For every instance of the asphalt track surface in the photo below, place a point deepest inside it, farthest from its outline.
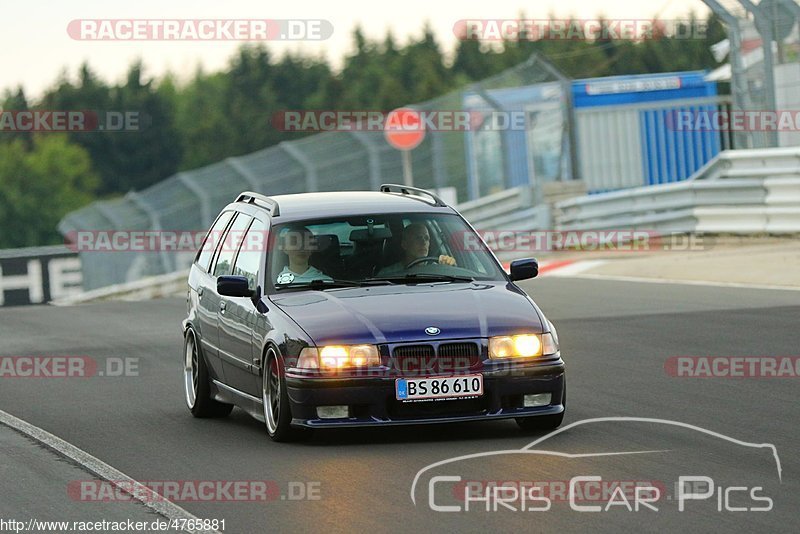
(615, 338)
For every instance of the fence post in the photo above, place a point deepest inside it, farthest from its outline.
(245, 173)
(302, 159)
(155, 223)
(437, 155)
(374, 159)
(108, 214)
(739, 88)
(200, 193)
(764, 26)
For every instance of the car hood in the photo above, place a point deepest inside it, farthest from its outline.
(401, 313)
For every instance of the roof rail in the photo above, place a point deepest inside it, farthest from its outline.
(262, 200)
(412, 191)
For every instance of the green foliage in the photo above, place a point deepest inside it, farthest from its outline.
(15, 101)
(222, 114)
(124, 160)
(38, 186)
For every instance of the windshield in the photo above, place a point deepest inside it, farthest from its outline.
(384, 248)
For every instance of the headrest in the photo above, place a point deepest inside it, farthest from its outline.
(328, 244)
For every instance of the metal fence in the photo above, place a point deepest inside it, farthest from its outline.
(609, 148)
(633, 145)
(758, 33)
(339, 161)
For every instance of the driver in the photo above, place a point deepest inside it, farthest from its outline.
(415, 244)
(299, 243)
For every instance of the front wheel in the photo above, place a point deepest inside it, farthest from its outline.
(277, 413)
(195, 382)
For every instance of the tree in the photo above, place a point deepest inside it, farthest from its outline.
(251, 99)
(39, 186)
(228, 113)
(207, 133)
(153, 149)
(14, 102)
(472, 61)
(123, 159)
(88, 94)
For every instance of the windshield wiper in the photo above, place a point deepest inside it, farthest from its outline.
(324, 283)
(421, 278)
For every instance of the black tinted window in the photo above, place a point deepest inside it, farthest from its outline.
(212, 238)
(248, 262)
(230, 244)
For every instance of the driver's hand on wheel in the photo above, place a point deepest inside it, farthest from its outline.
(447, 260)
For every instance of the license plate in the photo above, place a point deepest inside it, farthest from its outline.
(450, 387)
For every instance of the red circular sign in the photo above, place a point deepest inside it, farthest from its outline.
(404, 129)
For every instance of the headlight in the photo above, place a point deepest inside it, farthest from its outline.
(334, 357)
(522, 346)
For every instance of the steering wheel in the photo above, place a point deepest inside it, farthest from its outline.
(426, 259)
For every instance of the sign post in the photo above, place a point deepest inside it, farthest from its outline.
(404, 130)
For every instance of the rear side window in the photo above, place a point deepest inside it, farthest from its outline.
(230, 244)
(248, 262)
(212, 238)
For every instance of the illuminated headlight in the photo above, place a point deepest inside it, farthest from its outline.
(522, 346)
(334, 357)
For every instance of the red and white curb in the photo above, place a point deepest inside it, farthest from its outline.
(563, 267)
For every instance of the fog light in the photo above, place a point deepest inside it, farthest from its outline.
(332, 412)
(540, 399)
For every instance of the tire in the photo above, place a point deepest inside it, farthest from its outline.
(544, 422)
(275, 398)
(196, 383)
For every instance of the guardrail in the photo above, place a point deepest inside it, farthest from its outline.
(743, 192)
(517, 210)
(740, 191)
(165, 285)
(512, 206)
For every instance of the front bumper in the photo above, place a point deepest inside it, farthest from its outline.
(371, 400)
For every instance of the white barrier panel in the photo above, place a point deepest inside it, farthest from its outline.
(742, 191)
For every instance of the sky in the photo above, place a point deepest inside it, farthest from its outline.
(37, 47)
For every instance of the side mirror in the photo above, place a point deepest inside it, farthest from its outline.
(233, 286)
(257, 302)
(524, 269)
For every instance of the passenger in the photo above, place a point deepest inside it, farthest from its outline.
(415, 244)
(299, 244)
